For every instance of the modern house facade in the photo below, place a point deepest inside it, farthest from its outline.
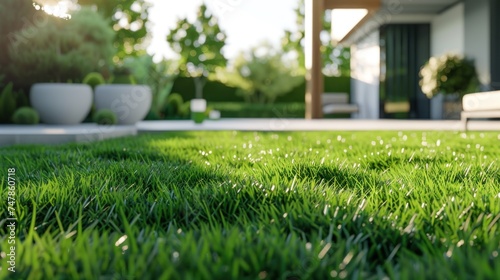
(396, 37)
(389, 48)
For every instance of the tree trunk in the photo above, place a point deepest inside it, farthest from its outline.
(199, 84)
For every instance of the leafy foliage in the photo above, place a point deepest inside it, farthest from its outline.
(159, 76)
(199, 45)
(175, 107)
(262, 75)
(62, 50)
(174, 103)
(335, 57)
(448, 74)
(7, 104)
(16, 15)
(129, 18)
(25, 115)
(122, 75)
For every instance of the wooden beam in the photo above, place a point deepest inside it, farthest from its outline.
(352, 4)
(314, 11)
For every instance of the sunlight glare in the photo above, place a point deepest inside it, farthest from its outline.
(344, 20)
(57, 8)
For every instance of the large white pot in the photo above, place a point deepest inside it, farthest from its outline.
(61, 103)
(130, 103)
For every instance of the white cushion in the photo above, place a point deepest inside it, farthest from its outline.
(482, 101)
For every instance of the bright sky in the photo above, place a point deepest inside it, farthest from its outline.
(246, 22)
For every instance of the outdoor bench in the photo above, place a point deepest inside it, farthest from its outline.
(338, 103)
(480, 105)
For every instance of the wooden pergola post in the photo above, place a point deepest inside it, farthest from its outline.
(314, 11)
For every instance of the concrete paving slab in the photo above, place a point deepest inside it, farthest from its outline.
(59, 134)
(314, 125)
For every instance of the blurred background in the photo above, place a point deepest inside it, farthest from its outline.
(246, 58)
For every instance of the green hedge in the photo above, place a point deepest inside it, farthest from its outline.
(277, 110)
(245, 110)
(331, 84)
(213, 91)
(218, 92)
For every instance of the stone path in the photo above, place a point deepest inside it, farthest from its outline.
(315, 125)
(58, 134)
(55, 134)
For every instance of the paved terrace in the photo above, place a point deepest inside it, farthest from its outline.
(315, 125)
(59, 134)
(55, 134)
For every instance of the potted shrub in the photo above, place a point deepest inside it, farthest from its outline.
(130, 102)
(59, 53)
(446, 79)
(93, 79)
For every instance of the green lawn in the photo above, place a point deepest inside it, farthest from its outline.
(233, 205)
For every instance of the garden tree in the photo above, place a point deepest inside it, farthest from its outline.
(129, 18)
(199, 45)
(335, 58)
(61, 50)
(262, 75)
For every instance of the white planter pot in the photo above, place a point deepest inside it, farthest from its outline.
(214, 115)
(198, 109)
(198, 105)
(61, 103)
(130, 103)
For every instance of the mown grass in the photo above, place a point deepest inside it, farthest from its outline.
(234, 205)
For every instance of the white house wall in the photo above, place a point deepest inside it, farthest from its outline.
(465, 29)
(447, 31)
(365, 76)
(477, 37)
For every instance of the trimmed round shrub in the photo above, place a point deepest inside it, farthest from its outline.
(25, 115)
(173, 106)
(105, 117)
(94, 79)
(176, 99)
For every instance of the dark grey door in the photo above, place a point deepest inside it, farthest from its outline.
(404, 49)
